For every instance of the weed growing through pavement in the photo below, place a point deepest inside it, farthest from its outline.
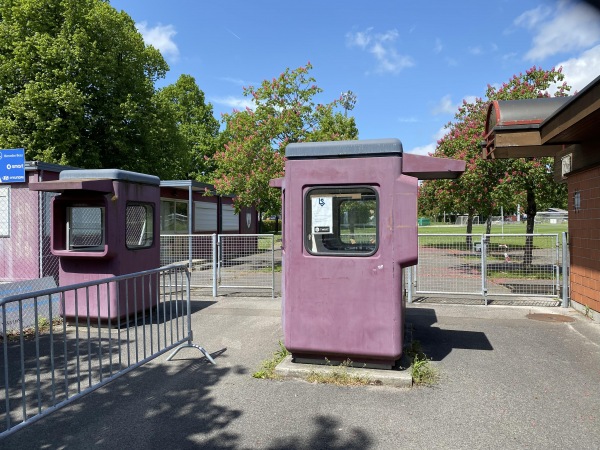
(339, 375)
(423, 373)
(267, 369)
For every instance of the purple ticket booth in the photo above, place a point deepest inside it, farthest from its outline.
(349, 228)
(105, 224)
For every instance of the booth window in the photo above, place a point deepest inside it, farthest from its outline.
(85, 228)
(341, 221)
(139, 227)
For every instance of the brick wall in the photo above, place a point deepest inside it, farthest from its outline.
(584, 237)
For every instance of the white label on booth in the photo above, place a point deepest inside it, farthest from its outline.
(322, 215)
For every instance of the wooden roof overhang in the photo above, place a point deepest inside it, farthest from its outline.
(542, 126)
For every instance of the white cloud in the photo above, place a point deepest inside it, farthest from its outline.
(580, 71)
(451, 62)
(429, 148)
(239, 103)
(571, 26)
(160, 37)
(476, 50)
(531, 18)
(424, 150)
(381, 46)
(438, 47)
(445, 106)
(440, 134)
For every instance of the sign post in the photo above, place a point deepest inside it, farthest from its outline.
(12, 165)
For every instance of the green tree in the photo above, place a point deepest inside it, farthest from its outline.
(196, 125)
(487, 185)
(78, 86)
(255, 139)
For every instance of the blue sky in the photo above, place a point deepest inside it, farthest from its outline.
(410, 63)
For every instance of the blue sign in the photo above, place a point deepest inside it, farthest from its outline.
(12, 165)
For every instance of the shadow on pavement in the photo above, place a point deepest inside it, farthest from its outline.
(437, 343)
(326, 436)
(151, 407)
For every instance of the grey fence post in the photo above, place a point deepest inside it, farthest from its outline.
(484, 239)
(409, 281)
(273, 266)
(565, 270)
(215, 250)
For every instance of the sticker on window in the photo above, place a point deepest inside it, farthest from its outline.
(322, 215)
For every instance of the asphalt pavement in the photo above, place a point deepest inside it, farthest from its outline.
(512, 377)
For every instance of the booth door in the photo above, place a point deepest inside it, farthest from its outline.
(341, 298)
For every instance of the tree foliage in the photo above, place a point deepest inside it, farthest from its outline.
(197, 128)
(77, 87)
(255, 139)
(487, 185)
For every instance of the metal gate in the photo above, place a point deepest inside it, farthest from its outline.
(488, 264)
(231, 262)
(246, 261)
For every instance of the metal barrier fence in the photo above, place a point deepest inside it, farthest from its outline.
(499, 265)
(55, 361)
(232, 262)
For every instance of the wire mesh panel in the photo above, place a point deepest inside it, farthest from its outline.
(26, 261)
(449, 263)
(246, 261)
(522, 264)
(196, 250)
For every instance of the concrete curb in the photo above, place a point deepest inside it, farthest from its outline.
(287, 370)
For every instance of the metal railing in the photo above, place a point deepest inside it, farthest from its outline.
(517, 265)
(119, 324)
(232, 262)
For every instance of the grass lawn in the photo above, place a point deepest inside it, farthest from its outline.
(510, 228)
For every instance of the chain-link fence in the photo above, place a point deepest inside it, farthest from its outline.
(517, 265)
(26, 262)
(522, 264)
(246, 261)
(226, 263)
(25, 235)
(449, 263)
(196, 250)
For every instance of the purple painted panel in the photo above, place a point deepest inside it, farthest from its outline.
(348, 306)
(338, 303)
(114, 258)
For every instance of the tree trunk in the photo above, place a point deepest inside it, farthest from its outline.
(531, 212)
(488, 225)
(470, 231)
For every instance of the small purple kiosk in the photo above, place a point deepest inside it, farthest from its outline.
(104, 224)
(349, 228)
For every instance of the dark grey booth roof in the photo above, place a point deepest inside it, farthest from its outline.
(109, 174)
(344, 149)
